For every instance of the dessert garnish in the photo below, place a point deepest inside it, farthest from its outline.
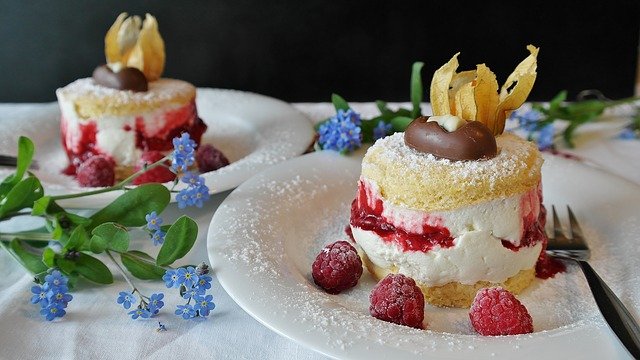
(473, 96)
(398, 299)
(128, 78)
(472, 140)
(496, 311)
(131, 43)
(337, 267)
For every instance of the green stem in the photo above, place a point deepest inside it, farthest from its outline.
(119, 186)
(122, 272)
(33, 236)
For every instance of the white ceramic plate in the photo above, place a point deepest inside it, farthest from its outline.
(264, 237)
(253, 131)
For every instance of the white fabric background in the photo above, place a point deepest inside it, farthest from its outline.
(96, 327)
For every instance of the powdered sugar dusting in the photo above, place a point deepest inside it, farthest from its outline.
(159, 91)
(270, 230)
(512, 153)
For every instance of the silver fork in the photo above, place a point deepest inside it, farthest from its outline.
(613, 310)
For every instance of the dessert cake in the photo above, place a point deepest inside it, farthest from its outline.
(453, 202)
(126, 109)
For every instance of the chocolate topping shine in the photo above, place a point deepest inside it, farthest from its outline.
(471, 141)
(128, 78)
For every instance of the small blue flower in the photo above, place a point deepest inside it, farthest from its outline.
(55, 279)
(204, 305)
(193, 293)
(341, 133)
(545, 137)
(204, 282)
(628, 134)
(59, 296)
(126, 299)
(527, 119)
(39, 295)
(187, 276)
(186, 311)
(183, 153)
(192, 179)
(158, 237)
(143, 313)
(184, 198)
(153, 221)
(170, 278)
(52, 311)
(199, 195)
(381, 130)
(156, 303)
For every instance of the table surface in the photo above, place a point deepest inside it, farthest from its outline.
(96, 327)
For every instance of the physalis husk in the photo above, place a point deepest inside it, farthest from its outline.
(132, 42)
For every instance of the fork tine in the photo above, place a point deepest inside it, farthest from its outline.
(576, 231)
(557, 227)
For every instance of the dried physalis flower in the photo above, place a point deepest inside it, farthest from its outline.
(131, 42)
(473, 94)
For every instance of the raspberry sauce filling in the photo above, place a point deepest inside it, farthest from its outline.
(82, 145)
(367, 214)
(370, 218)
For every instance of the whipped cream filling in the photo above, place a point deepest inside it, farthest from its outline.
(477, 254)
(503, 218)
(115, 135)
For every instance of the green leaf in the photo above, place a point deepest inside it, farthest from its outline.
(25, 156)
(366, 128)
(416, 88)
(382, 107)
(49, 257)
(178, 241)
(29, 260)
(109, 236)
(557, 100)
(130, 208)
(77, 238)
(339, 103)
(21, 196)
(93, 269)
(141, 265)
(400, 123)
(67, 266)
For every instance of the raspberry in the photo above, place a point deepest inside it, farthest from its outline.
(338, 267)
(158, 174)
(209, 158)
(96, 171)
(495, 311)
(398, 299)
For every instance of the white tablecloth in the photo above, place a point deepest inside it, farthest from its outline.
(95, 327)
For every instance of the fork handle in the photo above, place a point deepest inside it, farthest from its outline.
(615, 313)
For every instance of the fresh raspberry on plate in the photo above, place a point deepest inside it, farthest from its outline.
(158, 174)
(338, 267)
(96, 171)
(495, 311)
(209, 158)
(398, 299)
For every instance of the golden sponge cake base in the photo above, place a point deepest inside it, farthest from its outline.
(92, 101)
(455, 294)
(420, 181)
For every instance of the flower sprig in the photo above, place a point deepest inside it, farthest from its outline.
(538, 122)
(70, 246)
(347, 131)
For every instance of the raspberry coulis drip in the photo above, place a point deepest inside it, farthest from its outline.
(85, 146)
(370, 218)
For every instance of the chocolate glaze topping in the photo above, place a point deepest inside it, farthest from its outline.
(471, 141)
(128, 78)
